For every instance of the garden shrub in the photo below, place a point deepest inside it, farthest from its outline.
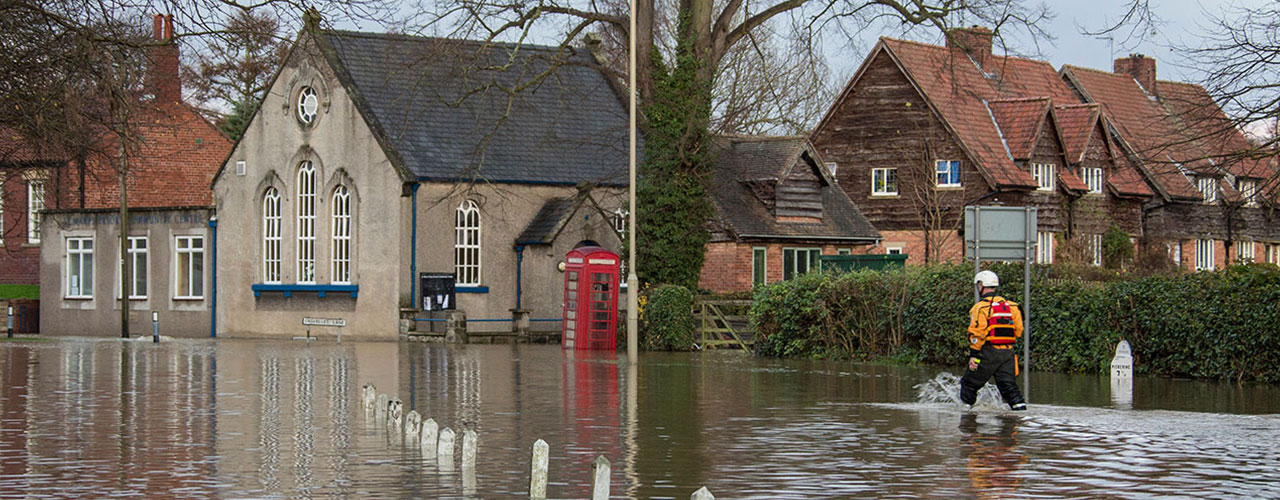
(667, 323)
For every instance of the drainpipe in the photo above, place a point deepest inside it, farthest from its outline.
(413, 252)
(519, 261)
(213, 307)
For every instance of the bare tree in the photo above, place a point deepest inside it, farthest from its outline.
(232, 72)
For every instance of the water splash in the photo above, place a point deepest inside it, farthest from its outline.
(945, 388)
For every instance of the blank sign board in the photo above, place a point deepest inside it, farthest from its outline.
(999, 233)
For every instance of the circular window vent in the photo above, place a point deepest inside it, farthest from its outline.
(308, 103)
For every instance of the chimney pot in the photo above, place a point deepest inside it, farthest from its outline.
(157, 26)
(975, 40)
(1141, 68)
(168, 26)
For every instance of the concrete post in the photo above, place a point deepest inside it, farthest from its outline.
(444, 450)
(412, 428)
(702, 494)
(538, 474)
(430, 435)
(600, 479)
(469, 444)
(520, 324)
(10, 308)
(455, 327)
(370, 397)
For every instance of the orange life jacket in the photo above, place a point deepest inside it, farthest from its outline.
(1000, 329)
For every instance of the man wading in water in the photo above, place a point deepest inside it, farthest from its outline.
(994, 325)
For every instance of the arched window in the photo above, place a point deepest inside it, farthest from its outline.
(271, 236)
(341, 241)
(466, 244)
(306, 223)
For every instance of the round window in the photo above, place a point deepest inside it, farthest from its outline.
(308, 102)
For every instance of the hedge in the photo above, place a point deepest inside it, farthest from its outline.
(1223, 324)
(666, 320)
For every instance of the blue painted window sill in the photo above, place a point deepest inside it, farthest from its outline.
(471, 289)
(320, 290)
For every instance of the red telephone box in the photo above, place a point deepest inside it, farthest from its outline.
(590, 299)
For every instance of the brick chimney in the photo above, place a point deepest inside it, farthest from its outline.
(1141, 68)
(162, 63)
(974, 40)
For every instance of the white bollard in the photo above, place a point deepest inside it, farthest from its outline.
(1122, 377)
(702, 494)
(469, 439)
(538, 476)
(600, 479)
(412, 428)
(395, 414)
(444, 450)
(430, 433)
(370, 397)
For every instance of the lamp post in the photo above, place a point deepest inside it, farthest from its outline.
(633, 285)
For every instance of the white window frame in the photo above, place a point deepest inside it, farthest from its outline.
(1095, 249)
(831, 167)
(306, 224)
(1045, 175)
(1273, 253)
(1245, 251)
(763, 270)
(79, 253)
(1092, 178)
(1044, 247)
(271, 236)
(937, 173)
(844, 251)
(136, 253)
(812, 259)
(1249, 190)
(893, 251)
(35, 205)
(1208, 187)
(1204, 255)
(1175, 252)
(880, 181)
(185, 251)
(308, 105)
(466, 244)
(340, 245)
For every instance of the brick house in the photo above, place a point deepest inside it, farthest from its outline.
(921, 131)
(778, 209)
(78, 231)
(1209, 208)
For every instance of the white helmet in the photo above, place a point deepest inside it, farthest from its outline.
(987, 279)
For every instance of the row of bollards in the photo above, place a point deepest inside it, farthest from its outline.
(439, 444)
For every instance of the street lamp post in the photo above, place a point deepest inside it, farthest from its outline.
(633, 285)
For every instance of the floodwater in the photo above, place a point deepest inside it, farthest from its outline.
(253, 419)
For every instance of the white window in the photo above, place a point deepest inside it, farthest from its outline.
(466, 244)
(35, 205)
(1273, 254)
(798, 261)
(79, 268)
(189, 263)
(1044, 247)
(884, 181)
(306, 223)
(1044, 173)
(138, 261)
(1095, 249)
(759, 263)
(308, 103)
(1244, 251)
(1175, 252)
(1208, 188)
(1204, 255)
(893, 251)
(341, 244)
(948, 173)
(1093, 178)
(1249, 190)
(271, 236)
(844, 251)
(831, 167)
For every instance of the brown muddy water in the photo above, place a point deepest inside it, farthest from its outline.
(256, 419)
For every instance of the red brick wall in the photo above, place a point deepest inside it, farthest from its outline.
(947, 244)
(728, 264)
(19, 260)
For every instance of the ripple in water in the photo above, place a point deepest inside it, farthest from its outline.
(945, 388)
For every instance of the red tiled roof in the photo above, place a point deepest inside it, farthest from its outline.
(1076, 122)
(959, 91)
(1125, 179)
(1217, 136)
(1071, 181)
(1020, 121)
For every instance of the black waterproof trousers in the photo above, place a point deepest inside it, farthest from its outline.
(999, 363)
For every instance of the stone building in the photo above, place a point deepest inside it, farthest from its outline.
(376, 157)
(778, 209)
(78, 228)
(922, 131)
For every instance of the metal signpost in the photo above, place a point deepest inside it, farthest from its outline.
(1005, 234)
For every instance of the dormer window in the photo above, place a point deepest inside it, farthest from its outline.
(1249, 190)
(308, 104)
(1045, 175)
(1092, 178)
(1208, 188)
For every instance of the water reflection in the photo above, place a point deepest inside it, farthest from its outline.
(236, 419)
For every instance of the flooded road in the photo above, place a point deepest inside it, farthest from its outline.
(254, 419)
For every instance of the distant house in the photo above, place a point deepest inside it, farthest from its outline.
(778, 209)
(922, 131)
(376, 157)
(72, 228)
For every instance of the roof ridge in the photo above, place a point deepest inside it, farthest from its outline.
(759, 137)
(1022, 99)
(1078, 105)
(466, 41)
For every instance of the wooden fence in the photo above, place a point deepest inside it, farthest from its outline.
(723, 323)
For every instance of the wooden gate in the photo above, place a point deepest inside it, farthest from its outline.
(723, 323)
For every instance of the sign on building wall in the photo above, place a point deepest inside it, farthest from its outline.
(437, 291)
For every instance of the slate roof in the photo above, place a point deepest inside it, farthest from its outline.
(542, 229)
(460, 110)
(743, 161)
